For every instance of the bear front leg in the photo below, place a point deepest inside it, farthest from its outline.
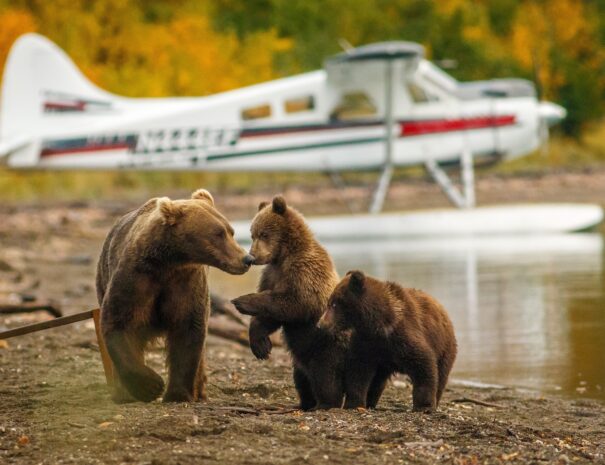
(377, 387)
(305, 392)
(258, 333)
(252, 304)
(327, 385)
(127, 354)
(358, 378)
(185, 345)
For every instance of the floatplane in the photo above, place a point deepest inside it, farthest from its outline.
(374, 107)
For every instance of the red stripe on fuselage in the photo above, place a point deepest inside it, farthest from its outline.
(419, 128)
(408, 128)
(76, 106)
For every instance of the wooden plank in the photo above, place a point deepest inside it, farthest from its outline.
(65, 320)
(107, 363)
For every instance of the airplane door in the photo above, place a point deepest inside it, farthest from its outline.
(493, 107)
(439, 124)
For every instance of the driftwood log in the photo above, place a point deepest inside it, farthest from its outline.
(50, 307)
(227, 323)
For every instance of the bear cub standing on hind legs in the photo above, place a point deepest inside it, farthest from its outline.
(152, 281)
(293, 291)
(395, 329)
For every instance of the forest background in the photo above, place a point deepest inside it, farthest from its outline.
(159, 48)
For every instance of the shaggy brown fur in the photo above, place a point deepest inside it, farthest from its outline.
(293, 292)
(152, 281)
(395, 330)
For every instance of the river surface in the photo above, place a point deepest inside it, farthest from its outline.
(528, 311)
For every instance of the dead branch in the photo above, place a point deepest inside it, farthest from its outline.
(437, 443)
(52, 308)
(250, 411)
(468, 400)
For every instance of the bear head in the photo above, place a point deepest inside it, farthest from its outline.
(194, 231)
(358, 301)
(270, 230)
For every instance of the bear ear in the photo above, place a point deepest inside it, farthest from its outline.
(357, 281)
(171, 213)
(262, 205)
(279, 205)
(203, 194)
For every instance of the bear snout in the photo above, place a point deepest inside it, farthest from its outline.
(327, 319)
(249, 260)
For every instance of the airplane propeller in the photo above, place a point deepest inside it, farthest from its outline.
(549, 114)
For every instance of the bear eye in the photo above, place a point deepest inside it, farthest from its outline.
(263, 235)
(333, 305)
(220, 233)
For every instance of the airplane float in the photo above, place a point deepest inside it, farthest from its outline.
(374, 107)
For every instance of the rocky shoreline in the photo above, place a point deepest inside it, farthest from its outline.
(55, 408)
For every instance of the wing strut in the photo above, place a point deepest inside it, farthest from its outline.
(387, 171)
(464, 199)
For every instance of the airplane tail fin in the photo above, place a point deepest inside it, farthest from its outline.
(39, 79)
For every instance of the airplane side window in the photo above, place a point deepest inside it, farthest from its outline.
(417, 93)
(256, 112)
(296, 105)
(354, 105)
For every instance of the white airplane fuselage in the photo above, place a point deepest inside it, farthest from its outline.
(332, 119)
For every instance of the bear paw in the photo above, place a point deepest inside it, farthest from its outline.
(145, 386)
(261, 347)
(243, 304)
(423, 409)
(177, 395)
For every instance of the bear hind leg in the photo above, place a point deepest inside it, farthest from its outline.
(424, 387)
(445, 366)
(126, 350)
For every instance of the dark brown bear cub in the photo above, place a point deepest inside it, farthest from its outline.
(293, 292)
(152, 281)
(396, 329)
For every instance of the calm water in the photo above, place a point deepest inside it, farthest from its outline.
(528, 312)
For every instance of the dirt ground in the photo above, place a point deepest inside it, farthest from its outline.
(55, 407)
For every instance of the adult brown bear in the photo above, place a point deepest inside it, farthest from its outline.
(293, 292)
(152, 281)
(395, 329)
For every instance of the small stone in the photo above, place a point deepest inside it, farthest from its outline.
(3, 344)
(23, 441)
(105, 424)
